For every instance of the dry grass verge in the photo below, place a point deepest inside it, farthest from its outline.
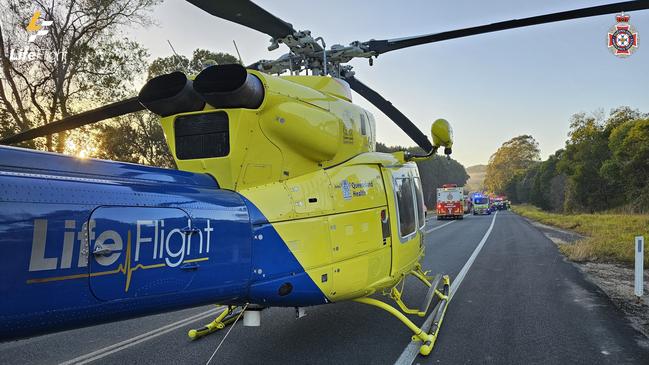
(609, 237)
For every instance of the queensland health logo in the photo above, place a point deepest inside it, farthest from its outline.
(36, 28)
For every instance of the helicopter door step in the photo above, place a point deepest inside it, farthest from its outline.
(431, 294)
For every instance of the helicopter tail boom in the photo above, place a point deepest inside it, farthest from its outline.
(88, 241)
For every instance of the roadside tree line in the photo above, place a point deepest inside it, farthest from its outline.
(603, 166)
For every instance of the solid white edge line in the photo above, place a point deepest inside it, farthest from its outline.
(438, 227)
(103, 352)
(411, 351)
(442, 226)
(460, 276)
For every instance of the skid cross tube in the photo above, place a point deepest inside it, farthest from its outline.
(427, 337)
(419, 333)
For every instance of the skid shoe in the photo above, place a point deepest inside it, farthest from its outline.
(439, 287)
(225, 318)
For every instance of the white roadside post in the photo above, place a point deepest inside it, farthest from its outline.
(639, 266)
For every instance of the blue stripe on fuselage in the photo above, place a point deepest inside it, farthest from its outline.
(274, 266)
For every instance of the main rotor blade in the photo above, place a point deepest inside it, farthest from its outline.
(387, 45)
(88, 117)
(248, 14)
(393, 113)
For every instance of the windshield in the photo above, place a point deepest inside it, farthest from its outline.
(480, 200)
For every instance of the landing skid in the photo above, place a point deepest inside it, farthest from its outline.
(438, 288)
(226, 317)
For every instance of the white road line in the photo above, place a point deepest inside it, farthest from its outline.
(460, 276)
(442, 226)
(438, 227)
(103, 352)
(411, 351)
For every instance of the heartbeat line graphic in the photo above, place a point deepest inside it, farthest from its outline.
(125, 269)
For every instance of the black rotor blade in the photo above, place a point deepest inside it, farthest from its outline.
(393, 113)
(387, 45)
(248, 14)
(88, 117)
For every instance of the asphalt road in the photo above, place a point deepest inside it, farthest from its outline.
(519, 302)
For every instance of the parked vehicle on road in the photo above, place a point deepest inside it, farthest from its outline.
(481, 205)
(450, 200)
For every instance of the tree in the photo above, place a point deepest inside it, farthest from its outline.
(546, 193)
(621, 115)
(138, 138)
(594, 182)
(509, 164)
(83, 61)
(629, 163)
(525, 185)
(604, 165)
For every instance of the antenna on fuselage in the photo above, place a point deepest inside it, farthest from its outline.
(237, 49)
(180, 64)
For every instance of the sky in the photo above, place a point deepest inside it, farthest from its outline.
(490, 87)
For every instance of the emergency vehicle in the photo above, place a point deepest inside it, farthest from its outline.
(481, 204)
(450, 202)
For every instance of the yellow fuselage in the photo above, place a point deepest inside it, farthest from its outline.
(306, 159)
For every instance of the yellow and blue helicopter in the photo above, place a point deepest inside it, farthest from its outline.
(280, 198)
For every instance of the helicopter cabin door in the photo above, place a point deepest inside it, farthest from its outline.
(139, 251)
(407, 215)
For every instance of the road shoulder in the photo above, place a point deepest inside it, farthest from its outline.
(614, 279)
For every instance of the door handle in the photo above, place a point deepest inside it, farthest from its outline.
(189, 266)
(100, 250)
(189, 230)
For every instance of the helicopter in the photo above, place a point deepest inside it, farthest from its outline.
(280, 198)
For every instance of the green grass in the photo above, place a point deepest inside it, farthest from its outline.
(609, 237)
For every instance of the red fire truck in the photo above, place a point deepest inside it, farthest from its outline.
(449, 202)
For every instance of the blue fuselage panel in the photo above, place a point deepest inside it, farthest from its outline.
(88, 241)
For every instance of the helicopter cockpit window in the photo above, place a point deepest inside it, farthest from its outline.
(363, 125)
(405, 206)
(421, 210)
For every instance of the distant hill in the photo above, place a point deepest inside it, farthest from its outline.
(476, 177)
